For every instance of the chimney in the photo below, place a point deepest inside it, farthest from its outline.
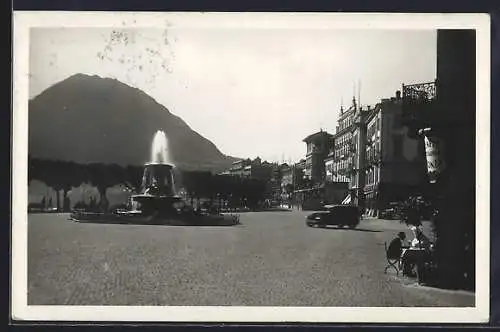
(398, 95)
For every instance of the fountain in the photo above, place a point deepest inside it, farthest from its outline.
(157, 201)
(157, 196)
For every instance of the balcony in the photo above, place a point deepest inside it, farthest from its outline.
(419, 105)
(420, 93)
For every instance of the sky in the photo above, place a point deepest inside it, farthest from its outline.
(252, 92)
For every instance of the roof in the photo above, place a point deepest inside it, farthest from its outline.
(351, 206)
(348, 112)
(239, 161)
(317, 135)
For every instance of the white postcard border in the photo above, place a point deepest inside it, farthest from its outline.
(23, 21)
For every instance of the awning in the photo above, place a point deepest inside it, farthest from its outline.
(308, 189)
(347, 200)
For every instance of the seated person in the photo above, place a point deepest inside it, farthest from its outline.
(396, 246)
(414, 256)
(420, 241)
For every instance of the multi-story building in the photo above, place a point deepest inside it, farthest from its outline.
(317, 151)
(320, 185)
(330, 161)
(358, 156)
(298, 174)
(342, 155)
(291, 178)
(255, 169)
(240, 168)
(287, 177)
(310, 193)
(394, 165)
(261, 170)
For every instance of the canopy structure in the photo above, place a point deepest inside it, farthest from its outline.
(347, 200)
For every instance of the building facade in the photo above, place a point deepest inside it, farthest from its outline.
(358, 157)
(330, 161)
(317, 151)
(343, 154)
(309, 195)
(394, 164)
(240, 168)
(255, 169)
(443, 114)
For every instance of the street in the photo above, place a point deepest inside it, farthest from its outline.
(271, 259)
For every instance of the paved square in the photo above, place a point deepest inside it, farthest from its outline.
(271, 259)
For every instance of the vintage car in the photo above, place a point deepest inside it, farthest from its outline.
(338, 215)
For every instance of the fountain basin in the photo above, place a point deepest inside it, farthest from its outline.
(139, 218)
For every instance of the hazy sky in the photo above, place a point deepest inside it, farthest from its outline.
(252, 92)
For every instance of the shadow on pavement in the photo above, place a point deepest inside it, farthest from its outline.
(199, 221)
(152, 223)
(353, 229)
(260, 210)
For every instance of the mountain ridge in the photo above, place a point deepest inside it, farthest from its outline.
(87, 119)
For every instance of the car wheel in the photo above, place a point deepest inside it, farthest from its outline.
(352, 226)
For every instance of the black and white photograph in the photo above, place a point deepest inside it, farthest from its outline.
(251, 167)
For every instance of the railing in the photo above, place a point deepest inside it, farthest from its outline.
(419, 93)
(419, 103)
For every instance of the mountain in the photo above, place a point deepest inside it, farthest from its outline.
(89, 119)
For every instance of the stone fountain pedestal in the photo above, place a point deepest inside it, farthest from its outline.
(158, 197)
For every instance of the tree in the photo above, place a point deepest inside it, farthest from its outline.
(188, 182)
(50, 172)
(100, 176)
(132, 176)
(68, 178)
